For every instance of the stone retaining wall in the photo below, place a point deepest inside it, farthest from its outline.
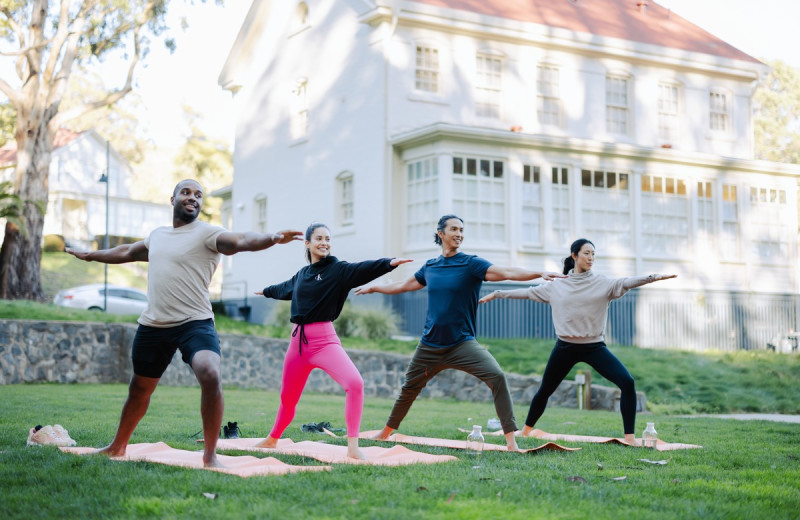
(80, 352)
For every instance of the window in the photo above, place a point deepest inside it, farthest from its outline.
(617, 104)
(562, 225)
(665, 215)
(488, 85)
(426, 72)
(730, 223)
(344, 199)
(479, 197)
(299, 107)
(769, 220)
(422, 183)
(260, 213)
(668, 113)
(532, 222)
(719, 111)
(705, 211)
(549, 95)
(606, 203)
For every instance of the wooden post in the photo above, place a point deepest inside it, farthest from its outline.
(587, 389)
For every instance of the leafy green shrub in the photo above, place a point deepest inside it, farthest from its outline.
(281, 313)
(376, 323)
(347, 322)
(53, 244)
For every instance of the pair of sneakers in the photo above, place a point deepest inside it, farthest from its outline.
(49, 435)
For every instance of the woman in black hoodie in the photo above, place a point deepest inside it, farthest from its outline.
(318, 292)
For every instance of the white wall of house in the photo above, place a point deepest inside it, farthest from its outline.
(699, 207)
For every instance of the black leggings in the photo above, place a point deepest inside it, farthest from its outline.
(567, 355)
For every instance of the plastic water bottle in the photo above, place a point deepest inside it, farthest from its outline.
(650, 436)
(475, 441)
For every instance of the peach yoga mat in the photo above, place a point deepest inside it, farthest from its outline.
(459, 445)
(332, 454)
(540, 434)
(244, 466)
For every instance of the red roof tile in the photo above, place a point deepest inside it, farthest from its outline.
(633, 20)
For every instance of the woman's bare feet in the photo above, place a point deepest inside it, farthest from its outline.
(630, 438)
(530, 431)
(269, 442)
(352, 449)
(511, 442)
(213, 462)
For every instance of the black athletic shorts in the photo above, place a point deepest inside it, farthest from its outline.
(153, 347)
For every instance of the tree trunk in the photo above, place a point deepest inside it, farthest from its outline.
(21, 254)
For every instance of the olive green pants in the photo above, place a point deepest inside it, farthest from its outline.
(469, 357)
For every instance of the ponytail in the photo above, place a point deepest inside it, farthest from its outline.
(574, 249)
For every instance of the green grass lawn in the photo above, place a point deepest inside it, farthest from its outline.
(746, 470)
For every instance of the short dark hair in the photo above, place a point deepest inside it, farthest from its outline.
(440, 227)
(574, 249)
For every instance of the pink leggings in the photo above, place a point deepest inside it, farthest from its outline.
(323, 351)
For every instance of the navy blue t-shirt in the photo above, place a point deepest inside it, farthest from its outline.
(453, 285)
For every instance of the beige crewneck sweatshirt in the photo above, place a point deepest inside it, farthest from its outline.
(579, 302)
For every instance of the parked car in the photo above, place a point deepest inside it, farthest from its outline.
(121, 300)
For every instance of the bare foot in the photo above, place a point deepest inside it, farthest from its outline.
(269, 442)
(352, 449)
(213, 462)
(630, 438)
(511, 442)
(110, 451)
(529, 431)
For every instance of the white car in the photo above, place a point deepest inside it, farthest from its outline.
(121, 300)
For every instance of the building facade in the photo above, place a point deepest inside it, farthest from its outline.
(537, 123)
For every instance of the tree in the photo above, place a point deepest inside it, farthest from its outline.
(777, 114)
(51, 39)
(8, 120)
(205, 159)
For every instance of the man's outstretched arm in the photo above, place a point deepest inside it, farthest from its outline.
(136, 252)
(230, 243)
(391, 288)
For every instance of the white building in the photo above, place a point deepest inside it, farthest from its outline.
(76, 206)
(536, 122)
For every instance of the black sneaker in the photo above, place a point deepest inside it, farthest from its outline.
(230, 431)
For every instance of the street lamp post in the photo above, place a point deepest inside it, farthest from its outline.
(104, 178)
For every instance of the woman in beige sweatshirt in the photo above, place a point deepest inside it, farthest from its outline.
(580, 309)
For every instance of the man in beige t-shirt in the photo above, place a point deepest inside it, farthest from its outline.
(182, 259)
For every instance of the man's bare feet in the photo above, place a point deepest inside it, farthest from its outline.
(383, 434)
(110, 451)
(352, 449)
(269, 442)
(213, 462)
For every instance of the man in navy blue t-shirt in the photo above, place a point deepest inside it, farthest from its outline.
(454, 280)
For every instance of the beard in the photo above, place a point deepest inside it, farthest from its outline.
(181, 214)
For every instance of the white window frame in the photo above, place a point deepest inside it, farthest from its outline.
(479, 195)
(771, 238)
(489, 67)
(730, 237)
(607, 206)
(561, 228)
(619, 103)
(665, 234)
(427, 69)
(299, 107)
(532, 211)
(422, 200)
(260, 212)
(345, 199)
(720, 112)
(549, 107)
(669, 112)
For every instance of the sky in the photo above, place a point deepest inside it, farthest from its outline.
(765, 29)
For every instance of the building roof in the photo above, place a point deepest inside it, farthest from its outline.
(634, 20)
(64, 136)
